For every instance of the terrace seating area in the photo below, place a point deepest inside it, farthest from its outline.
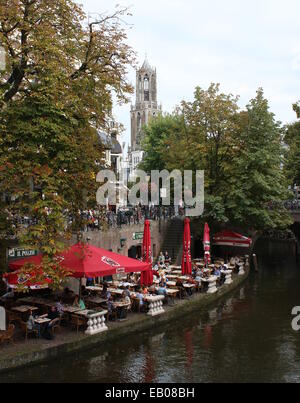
(46, 315)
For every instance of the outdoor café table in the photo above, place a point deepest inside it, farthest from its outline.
(190, 286)
(171, 283)
(95, 301)
(94, 288)
(42, 321)
(115, 291)
(122, 308)
(171, 276)
(84, 312)
(24, 308)
(179, 272)
(184, 278)
(172, 293)
(70, 309)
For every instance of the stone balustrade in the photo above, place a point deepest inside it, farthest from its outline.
(228, 277)
(155, 305)
(212, 285)
(2, 319)
(241, 270)
(96, 323)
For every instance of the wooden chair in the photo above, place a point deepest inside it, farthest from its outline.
(12, 317)
(8, 335)
(112, 315)
(77, 322)
(56, 325)
(28, 332)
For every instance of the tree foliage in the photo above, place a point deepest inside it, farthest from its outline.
(240, 152)
(56, 92)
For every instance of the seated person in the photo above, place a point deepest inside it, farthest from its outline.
(9, 294)
(90, 282)
(59, 307)
(167, 258)
(67, 296)
(162, 282)
(78, 302)
(162, 290)
(122, 312)
(182, 291)
(127, 292)
(140, 297)
(31, 325)
(110, 305)
(105, 294)
(152, 289)
(217, 272)
(54, 318)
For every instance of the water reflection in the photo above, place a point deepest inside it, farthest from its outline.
(246, 337)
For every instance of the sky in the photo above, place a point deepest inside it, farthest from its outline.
(243, 45)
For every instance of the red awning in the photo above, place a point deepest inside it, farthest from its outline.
(230, 238)
(88, 261)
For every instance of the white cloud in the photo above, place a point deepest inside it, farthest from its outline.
(241, 44)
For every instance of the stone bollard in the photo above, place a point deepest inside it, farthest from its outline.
(2, 319)
(96, 323)
(228, 277)
(212, 285)
(155, 305)
(241, 270)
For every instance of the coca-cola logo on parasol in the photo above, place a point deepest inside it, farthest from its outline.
(110, 261)
(23, 278)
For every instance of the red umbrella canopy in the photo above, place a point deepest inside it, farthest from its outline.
(26, 280)
(88, 261)
(206, 244)
(186, 263)
(230, 238)
(147, 276)
(18, 264)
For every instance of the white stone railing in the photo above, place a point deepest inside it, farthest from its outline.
(241, 270)
(96, 323)
(2, 319)
(228, 276)
(155, 305)
(212, 284)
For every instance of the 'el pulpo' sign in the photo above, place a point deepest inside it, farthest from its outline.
(19, 253)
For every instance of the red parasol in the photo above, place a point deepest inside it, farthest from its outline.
(147, 276)
(84, 261)
(206, 244)
(186, 264)
(230, 238)
(26, 280)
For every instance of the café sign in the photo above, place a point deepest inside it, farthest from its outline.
(19, 253)
(137, 236)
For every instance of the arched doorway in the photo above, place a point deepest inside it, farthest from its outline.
(135, 252)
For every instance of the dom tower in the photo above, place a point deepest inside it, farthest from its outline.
(145, 108)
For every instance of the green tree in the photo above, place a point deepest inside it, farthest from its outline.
(258, 186)
(292, 154)
(55, 93)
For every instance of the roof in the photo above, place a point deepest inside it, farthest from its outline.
(146, 66)
(109, 143)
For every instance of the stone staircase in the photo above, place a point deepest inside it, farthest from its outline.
(173, 239)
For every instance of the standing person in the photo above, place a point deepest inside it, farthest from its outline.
(161, 259)
(167, 258)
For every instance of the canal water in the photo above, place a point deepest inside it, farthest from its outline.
(246, 337)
